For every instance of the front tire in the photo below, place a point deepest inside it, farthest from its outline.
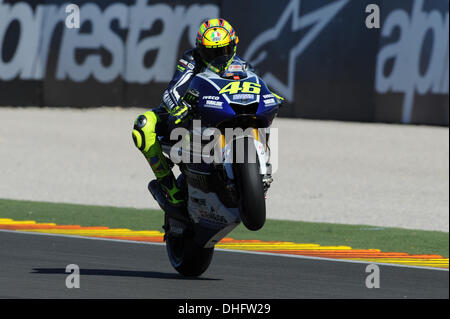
(251, 189)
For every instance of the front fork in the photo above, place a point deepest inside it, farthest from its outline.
(261, 142)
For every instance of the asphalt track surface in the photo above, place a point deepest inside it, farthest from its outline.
(33, 266)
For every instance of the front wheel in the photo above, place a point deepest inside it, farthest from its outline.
(251, 189)
(186, 256)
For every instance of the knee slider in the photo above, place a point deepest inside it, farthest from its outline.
(144, 130)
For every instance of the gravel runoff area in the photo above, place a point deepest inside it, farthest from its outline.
(337, 172)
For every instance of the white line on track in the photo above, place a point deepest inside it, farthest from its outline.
(226, 250)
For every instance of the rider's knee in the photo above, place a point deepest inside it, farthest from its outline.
(144, 135)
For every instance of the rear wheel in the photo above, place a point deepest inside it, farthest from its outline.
(186, 256)
(250, 187)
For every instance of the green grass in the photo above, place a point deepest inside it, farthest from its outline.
(356, 236)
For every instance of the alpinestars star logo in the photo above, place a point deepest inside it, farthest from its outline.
(314, 21)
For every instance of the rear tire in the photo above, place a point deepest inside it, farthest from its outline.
(251, 189)
(186, 256)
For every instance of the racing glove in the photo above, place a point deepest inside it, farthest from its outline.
(180, 112)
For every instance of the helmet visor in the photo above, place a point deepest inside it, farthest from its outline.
(209, 54)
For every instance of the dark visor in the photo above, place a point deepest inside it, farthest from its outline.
(210, 54)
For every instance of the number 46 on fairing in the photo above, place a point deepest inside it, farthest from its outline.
(236, 87)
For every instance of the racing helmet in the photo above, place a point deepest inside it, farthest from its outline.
(216, 38)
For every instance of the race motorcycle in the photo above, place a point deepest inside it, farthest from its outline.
(232, 188)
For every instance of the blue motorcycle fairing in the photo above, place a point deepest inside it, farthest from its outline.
(214, 108)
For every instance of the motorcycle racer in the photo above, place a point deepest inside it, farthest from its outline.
(215, 38)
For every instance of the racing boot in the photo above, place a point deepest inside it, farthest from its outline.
(174, 195)
(164, 175)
